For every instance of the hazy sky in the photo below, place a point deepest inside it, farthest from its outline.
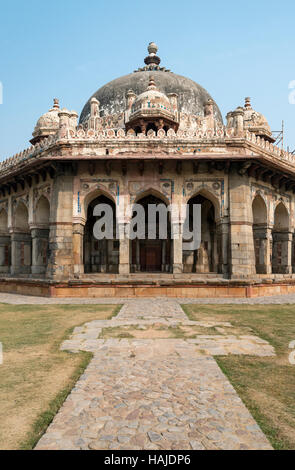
(68, 49)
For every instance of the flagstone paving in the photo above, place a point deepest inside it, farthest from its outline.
(155, 393)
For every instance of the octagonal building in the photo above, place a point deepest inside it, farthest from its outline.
(151, 137)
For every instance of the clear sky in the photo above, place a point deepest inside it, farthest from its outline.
(68, 49)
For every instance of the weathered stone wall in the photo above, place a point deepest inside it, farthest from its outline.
(242, 260)
(38, 241)
(61, 260)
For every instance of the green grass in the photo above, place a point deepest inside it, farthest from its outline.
(36, 377)
(266, 385)
(46, 417)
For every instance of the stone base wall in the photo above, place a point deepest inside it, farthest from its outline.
(140, 290)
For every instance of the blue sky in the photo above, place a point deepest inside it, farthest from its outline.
(68, 49)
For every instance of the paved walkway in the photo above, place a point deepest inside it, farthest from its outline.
(155, 393)
(27, 299)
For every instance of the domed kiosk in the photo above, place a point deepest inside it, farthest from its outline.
(47, 124)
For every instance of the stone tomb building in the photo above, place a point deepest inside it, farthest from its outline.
(153, 137)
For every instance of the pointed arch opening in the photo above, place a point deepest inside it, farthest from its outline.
(40, 237)
(43, 212)
(5, 246)
(260, 240)
(151, 249)
(205, 259)
(281, 218)
(3, 222)
(281, 252)
(100, 256)
(21, 241)
(21, 218)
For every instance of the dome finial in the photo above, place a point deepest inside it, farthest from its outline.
(248, 103)
(55, 103)
(152, 48)
(152, 58)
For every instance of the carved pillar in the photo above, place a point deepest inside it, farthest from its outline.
(137, 255)
(39, 250)
(223, 245)
(268, 249)
(143, 126)
(164, 244)
(262, 245)
(177, 248)
(287, 252)
(104, 256)
(78, 243)
(124, 252)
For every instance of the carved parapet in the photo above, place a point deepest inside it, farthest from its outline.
(110, 136)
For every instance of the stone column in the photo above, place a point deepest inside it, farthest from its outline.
(222, 245)
(262, 236)
(104, 256)
(242, 256)
(78, 240)
(287, 252)
(39, 250)
(4, 254)
(177, 248)
(124, 251)
(282, 252)
(164, 243)
(60, 264)
(268, 249)
(21, 253)
(137, 255)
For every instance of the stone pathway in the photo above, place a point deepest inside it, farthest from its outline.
(155, 393)
(151, 309)
(168, 313)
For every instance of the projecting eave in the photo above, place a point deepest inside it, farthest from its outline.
(258, 158)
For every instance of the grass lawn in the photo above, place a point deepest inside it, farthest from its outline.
(266, 385)
(36, 377)
(155, 331)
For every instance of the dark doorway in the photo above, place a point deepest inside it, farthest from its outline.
(152, 255)
(100, 256)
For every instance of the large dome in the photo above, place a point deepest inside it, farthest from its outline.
(112, 96)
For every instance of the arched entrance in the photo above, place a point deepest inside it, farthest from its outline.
(260, 235)
(40, 236)
(21, 241)
(281, 249)
(100, 256)
(152, 255)
(4, 243)
(206, 258)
